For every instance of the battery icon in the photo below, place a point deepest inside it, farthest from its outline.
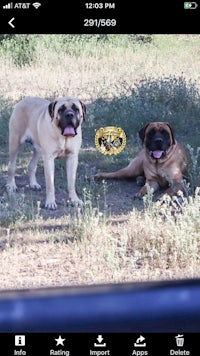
(190, 5)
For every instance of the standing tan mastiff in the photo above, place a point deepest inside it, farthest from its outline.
(162, 161)
(54, 130)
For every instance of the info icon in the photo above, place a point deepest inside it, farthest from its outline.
(19, 340)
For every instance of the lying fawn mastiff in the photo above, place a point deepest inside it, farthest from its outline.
(162, 162)
(54, 130)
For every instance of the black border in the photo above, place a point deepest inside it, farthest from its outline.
(140, 17)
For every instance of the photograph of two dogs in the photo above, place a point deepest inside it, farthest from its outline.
(54, 128)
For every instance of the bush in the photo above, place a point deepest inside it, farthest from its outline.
(21, 48)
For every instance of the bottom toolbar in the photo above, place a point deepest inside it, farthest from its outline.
(89, 344)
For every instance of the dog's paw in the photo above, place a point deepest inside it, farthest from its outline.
(93, 177)
(51, 205)
(138, 196)
(11, 188)
(76, 202)
(100, 175)
(35, 186)
(142, 192)
(140, 181)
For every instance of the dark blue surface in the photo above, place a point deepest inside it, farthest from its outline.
(169, 306)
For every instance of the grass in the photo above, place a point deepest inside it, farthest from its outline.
(125, 81)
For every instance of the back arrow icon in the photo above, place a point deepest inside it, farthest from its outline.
(10, 22)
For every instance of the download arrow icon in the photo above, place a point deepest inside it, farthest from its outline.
(100, 344)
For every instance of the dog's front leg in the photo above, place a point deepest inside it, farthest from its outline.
(49, 180)
(71, 169)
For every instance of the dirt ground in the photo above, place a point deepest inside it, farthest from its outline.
(118, 199)
(113, 197)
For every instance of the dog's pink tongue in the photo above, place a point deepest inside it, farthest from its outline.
(157, 154)
(69, 131)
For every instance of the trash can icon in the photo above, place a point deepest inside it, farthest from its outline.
(179, 340)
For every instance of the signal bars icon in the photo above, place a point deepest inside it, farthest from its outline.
(8, 6)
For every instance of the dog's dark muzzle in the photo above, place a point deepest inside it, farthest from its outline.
(69, 123)
(158, 148)
(158, 142)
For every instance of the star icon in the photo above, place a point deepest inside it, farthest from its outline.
(60, 341)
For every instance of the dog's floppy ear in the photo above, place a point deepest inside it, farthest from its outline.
(51, 108)
(142, 132)
(172, 133)
(83, 109)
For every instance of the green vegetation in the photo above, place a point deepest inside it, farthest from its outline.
(125, 81)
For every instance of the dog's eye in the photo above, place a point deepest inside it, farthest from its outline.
(62, 109)
(164, 133)
(151, 133)
(75, 108)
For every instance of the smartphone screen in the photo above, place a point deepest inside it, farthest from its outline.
(99, 178)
